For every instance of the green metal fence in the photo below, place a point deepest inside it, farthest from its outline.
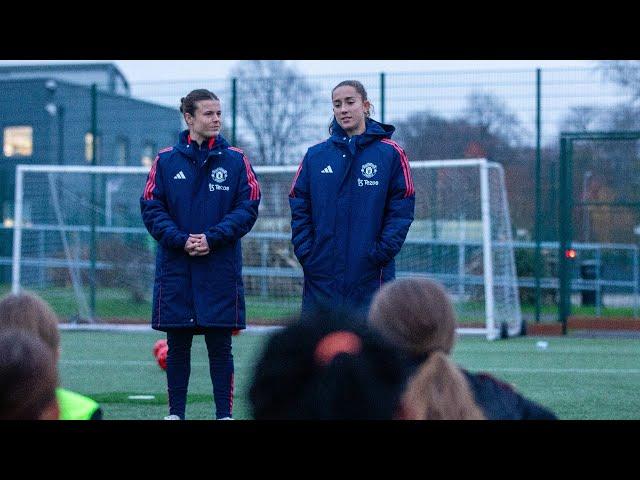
(511, 117)
(615, 199)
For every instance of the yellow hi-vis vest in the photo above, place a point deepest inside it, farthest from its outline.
(74, 406)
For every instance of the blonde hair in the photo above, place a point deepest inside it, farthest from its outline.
(28, 312)
(416, 316)
(439, 391)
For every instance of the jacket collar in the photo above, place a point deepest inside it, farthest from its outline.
(190, 147)
(374, 131)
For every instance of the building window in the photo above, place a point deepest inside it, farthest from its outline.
(148, 150)
(122, 151)
(88, 146)
(8, 214)
(18, 141)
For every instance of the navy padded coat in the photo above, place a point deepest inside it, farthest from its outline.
(352, 203)
(212, 190)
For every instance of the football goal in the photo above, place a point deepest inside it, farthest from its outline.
(79, 237)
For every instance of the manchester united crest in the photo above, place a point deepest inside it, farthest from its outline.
(369, 170)
(219, 175)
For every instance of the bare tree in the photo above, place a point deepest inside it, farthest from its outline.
(585, 118)
(625, 73)
(275, 103)
(492, 114)
(427, 136)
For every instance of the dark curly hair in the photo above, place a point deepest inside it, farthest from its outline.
(327, 366)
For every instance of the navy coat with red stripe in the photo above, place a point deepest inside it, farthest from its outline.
(352, 203)
(214, 191)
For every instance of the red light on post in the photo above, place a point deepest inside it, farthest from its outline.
(570, 253)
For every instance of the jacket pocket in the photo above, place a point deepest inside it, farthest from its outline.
(320, 263)
(305, 253)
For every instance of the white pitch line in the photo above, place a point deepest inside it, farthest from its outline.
(561, 370)
(604, 371)
(110, 362)
(94, 327)
(132, 363)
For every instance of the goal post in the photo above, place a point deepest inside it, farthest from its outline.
(53, 228)
(461, 237)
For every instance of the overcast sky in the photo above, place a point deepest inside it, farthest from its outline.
(153, 80)
(163, 70)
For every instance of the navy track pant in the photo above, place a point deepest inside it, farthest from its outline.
(218, 342)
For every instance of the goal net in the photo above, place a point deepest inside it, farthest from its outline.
(80, 242)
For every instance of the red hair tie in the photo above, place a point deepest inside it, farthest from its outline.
(334, 343)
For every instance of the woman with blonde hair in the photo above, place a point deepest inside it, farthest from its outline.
(416, 316)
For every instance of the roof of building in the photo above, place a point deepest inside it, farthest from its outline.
(18, 71)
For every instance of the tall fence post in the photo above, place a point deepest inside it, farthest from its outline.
(538, 221)
(598, 285)
(382, 96)
(234, 109)
(564, 220)
(636, 294)
(264, 253)
(93, 202)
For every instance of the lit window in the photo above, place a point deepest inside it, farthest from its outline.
(18, 141)
(88, 146)
(147, 154)
(8, 217)
(7, 214)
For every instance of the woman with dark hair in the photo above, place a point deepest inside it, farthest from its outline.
(416, 316)
(200, 199)
(31, 314)
(28, 377)
(352, 202)
(326, 368)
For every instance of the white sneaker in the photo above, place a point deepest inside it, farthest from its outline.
(172, 417)
(225, 418)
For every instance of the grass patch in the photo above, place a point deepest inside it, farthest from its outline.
(580, 310)
(577, 378)
(116, 303)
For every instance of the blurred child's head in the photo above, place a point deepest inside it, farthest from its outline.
(28, 377)
(327, 367)
(28, 312)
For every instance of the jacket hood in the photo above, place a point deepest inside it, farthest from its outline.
(374, 131)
